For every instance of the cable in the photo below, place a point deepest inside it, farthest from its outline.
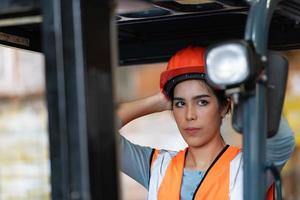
(277, 179)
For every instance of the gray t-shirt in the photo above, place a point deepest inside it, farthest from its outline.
(135, 160)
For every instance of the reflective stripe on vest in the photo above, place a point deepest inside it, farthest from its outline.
(223, 180)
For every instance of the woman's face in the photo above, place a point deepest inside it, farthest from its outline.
(197, 112)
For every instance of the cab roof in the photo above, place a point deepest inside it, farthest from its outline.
(150, 31)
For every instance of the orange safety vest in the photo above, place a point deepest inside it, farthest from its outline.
(223, 180)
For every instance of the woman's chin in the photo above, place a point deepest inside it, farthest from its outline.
(194, 142)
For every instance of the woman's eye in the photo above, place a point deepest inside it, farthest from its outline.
(179, 104)
(202, 102)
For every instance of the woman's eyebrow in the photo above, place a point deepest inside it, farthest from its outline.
(195, 97)
(201, 96)
(178, 98)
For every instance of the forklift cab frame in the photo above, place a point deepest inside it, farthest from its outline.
(84, 40)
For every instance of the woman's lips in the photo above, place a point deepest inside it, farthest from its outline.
(191, 130)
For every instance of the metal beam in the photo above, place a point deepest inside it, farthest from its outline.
(20, 21)
(100, 41)
(65, 87)
(21, 38)
(80, 48)
(18, 6)
(255, 109)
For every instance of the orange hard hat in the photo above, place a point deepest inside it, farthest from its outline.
(187, 63)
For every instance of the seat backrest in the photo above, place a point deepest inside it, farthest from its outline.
(277, 72)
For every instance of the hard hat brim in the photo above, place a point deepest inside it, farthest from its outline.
(169, 79)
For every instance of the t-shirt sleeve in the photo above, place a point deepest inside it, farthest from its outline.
(281, 146)
(135, 160)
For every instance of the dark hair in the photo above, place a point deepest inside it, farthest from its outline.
(223, 100)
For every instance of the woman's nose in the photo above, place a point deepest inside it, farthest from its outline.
(191, 113)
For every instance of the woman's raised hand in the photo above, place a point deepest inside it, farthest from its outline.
(164, 102)
(138, 108)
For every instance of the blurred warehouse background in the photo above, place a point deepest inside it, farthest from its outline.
(24, 155)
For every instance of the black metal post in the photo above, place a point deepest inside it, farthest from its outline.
(255, 109)
(80, 46)
(254, 144)
(65, 84)
(101, 57)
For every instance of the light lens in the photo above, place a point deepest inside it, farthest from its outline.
(227, 64)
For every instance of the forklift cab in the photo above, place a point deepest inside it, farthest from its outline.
(84, 40)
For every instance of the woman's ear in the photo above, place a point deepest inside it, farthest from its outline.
(223, 113)
(226, 108)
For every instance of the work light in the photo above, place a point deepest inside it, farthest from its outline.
(229, 64)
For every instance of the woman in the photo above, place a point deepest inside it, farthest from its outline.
(207, 168)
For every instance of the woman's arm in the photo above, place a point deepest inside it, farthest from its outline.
(135, 159)
(281, 146)
(135, 109)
